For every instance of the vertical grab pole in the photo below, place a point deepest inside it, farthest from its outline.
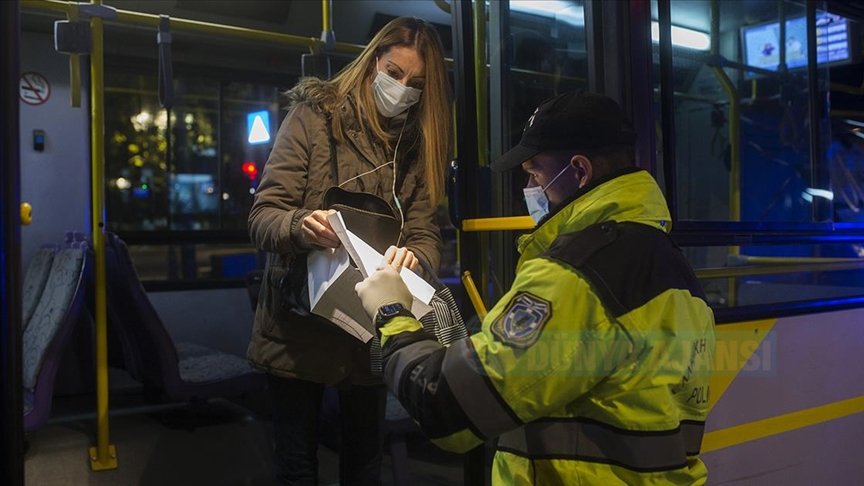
(328, 36)
(104, 455)
(667, 104)
(326, 16)
(734, 139)
(74, 69)
(735, 164)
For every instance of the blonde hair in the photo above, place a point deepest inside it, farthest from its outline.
(432, 113)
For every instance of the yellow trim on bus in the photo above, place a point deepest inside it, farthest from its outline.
(759, 429)
(735, 346)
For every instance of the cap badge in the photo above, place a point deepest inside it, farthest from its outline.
(531, 120)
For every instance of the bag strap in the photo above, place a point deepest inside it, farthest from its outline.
(334, 161)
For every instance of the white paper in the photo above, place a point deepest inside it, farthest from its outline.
(331, 279)
(368, 259)
(324, 266)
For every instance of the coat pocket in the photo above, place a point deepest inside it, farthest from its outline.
(286, 297)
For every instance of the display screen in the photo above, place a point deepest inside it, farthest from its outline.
(762, 42)
(193, 194)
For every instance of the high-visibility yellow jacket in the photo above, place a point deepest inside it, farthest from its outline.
(592, 369)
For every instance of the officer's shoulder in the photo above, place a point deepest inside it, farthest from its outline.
(622, 241)
(627, 264)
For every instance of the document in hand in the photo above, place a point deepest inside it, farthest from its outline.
(332, 278)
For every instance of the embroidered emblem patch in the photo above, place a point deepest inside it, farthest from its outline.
(520, 325)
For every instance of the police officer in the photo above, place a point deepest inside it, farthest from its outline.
(593, 368)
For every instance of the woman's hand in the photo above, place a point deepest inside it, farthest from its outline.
(401, 257)
(317, 230)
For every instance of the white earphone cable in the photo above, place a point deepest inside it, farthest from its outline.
(385, 164)
(393, 187)
(395, 197)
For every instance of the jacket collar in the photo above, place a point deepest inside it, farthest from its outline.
(322, 96)
(629, 195)
(361, 140)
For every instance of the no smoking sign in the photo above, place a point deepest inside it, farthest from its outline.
(34, 89)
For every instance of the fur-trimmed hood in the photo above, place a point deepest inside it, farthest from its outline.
(321, 96)
(318, 93)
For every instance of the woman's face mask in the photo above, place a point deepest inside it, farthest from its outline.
(536, 200)
(391, 96)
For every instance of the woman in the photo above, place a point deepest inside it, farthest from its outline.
(381, 126)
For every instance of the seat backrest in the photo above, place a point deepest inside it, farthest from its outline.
(151, 355)
(52, 312)
(38, 269)
(48, 333)
(148, 350)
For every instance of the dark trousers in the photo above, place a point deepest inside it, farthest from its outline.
(296, 408)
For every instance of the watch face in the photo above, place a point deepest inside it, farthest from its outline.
(390, 310)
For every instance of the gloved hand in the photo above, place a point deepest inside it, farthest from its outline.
(381, 288)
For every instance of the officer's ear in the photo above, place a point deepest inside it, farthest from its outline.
(583, 169)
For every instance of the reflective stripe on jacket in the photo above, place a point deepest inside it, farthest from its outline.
(592, 369)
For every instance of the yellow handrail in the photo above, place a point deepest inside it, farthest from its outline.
(766, 260)
(474, 295)
(104, 455)
(480, 74)
(853, 90)
(778, 268)
(74, 70)
(326, 18)
(734, 144)
(499, 224)
(734, 138)
(152, 20)
(69, 8)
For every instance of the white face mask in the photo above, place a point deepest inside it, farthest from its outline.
(391, 96)
(536, 200)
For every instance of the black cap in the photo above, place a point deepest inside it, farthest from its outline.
(572, 120)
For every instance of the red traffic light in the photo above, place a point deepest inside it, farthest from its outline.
(250, 169)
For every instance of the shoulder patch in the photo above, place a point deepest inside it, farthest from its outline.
(519, 326)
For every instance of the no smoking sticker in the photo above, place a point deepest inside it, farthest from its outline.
(34, 89)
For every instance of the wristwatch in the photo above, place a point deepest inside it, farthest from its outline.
(389, 311)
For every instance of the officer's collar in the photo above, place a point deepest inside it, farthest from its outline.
(585, 190)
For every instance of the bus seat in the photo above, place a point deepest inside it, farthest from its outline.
(35, 278)
(46, 334)
(181, 371)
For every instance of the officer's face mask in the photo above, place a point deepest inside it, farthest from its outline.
(391, 96)
(536, 200)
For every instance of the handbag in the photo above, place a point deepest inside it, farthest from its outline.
(366, 215)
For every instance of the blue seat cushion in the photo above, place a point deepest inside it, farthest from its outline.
(200, 364)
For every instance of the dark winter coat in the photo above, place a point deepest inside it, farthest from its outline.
(286, 340)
